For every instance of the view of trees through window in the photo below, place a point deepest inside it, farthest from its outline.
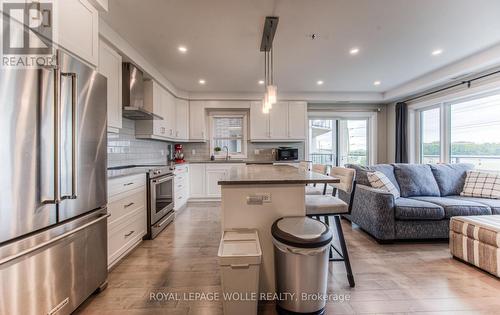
(474, 133)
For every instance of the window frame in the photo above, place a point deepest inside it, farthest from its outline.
(244, 140)
(445, 104)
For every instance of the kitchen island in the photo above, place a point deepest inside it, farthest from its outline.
(254, 196)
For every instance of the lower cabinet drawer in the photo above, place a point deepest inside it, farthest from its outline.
(126, 205)
(125, 183)
(125, 233)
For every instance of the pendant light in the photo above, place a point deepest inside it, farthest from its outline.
(270, 89)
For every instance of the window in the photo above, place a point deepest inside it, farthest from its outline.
(229, 131)
(338, 141)
(430, 149)
(475, 132)
(469, 132)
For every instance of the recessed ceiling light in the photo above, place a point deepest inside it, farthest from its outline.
(354, 51)
(202, 81)
(261, 82)
(377, 83)
(182, 49)
(319, 82)
(437, 52)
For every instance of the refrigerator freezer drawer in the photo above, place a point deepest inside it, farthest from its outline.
(58, 277)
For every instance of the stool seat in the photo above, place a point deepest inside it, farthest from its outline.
(325, 204)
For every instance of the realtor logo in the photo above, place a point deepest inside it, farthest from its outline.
(27, 34)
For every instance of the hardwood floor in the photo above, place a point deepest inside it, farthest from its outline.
(401, 278)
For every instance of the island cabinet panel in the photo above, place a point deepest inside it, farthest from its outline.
(78, 29)
(110, 65)
(286, 121)
(197, 121)
(197, 180)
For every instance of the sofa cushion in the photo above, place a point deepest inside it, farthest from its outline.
(494, 204)
(450, 177)
(457, 207)
(379, 180)
(415, 180)
(362, 178)
(411, 209)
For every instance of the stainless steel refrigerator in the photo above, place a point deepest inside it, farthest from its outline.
(53, 218)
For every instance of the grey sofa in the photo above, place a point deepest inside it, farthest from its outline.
(430, 196)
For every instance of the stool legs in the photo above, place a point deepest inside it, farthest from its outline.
(345, 254)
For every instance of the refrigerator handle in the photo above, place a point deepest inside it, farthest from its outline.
(57, 138)
(74, 134)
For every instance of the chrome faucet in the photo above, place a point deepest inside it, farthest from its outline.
(227, 152)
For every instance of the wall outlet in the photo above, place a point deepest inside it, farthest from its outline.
(256, 151)
(162, 152)
(266, 197)
(193, 152)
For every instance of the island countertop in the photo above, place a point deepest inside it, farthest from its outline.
(272, 175)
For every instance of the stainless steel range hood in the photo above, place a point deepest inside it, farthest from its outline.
(133, 94)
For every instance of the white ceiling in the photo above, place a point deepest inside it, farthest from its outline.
(395, 38)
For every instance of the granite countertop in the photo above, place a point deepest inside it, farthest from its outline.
(273, 174)
(114, 173)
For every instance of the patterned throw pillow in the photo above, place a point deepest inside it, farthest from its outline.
(482, 185)
(380, 181)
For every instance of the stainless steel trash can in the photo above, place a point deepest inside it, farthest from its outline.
(301, 248)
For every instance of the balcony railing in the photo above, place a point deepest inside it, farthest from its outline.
(325, 124)
(330, 159)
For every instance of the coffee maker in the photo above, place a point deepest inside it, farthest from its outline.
(179, 154)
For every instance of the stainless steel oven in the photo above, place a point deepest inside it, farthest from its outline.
(160, 200)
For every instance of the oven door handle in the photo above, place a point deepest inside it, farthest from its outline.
(162, 180)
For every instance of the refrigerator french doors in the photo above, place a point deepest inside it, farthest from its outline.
(53, 146)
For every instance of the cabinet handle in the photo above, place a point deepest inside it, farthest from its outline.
(129, 233)
(130, 204)
(180, 197)
(177, 134)
(171, 131)
(128, 184)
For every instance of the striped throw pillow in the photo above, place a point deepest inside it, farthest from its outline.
(482, 185)
(380, 181)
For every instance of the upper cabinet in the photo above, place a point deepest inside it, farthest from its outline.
(286, 121)
(297, 120)
(182, 120)
(197, 121)
(110, 65)
(78, 29)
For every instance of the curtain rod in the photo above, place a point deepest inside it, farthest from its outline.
(468, 82)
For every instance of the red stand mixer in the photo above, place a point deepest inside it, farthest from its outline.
(179, 154)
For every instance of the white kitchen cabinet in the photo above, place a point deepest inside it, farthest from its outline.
(259, 122)
(212, 177)
(127, 223)
(153, 102)
(286, 121)
(110, 65)
(78, 29)
(278, 121)
(297, 120)
(197, 121)
(182, 120)
(168, 110)
(181, 186)
(197, 180)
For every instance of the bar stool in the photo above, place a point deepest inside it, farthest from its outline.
(315, 190)
(323, 206)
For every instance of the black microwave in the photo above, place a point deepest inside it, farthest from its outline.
(287, 154)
